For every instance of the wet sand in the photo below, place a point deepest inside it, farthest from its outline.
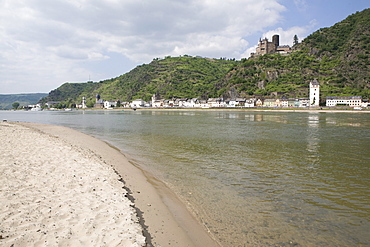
(62, 187)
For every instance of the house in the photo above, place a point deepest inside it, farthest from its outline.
(50, 104)
(109, 104)
(278, 103)
(202, 104)
(36, 107)
(303, 102)
(284, 102)
(157, 103)
(216, 102)
(191, 102)
(351, 101)
(365, 103)
(259, 102)
(249, 103)
(137, 103)
(293, 102)
(230, 102)
(168, 103)
(181, 102)
(240, 101)
(99, 104)
(269, 103)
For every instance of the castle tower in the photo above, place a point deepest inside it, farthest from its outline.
(97, 98)
(275, 40)
(314, 93)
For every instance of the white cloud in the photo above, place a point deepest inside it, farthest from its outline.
(248, 52)
(286, 36)
(45, 43)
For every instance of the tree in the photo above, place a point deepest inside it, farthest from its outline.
(90, 104)
(15, 105)
(295, 40)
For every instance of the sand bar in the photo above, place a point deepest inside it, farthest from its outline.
(60, 187)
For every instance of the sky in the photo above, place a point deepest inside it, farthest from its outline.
(44, 43)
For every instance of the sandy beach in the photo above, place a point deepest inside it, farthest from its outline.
(60, 187)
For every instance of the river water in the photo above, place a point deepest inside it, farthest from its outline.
(253, 178)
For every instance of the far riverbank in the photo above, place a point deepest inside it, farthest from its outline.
(311, 110)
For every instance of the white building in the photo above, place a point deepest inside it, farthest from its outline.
(284, 103)
(83, 103)
(137, 103)
(314, 93)
(231, 103)
(216, 102)
(249, 103)
(191, 102)
(181, 102)
(303, 102)
(202, 104)
(109, 104)
(351, 101)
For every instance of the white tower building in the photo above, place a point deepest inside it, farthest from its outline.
(83, 103)
(314, 93)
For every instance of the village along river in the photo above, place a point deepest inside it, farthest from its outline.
(253, 178)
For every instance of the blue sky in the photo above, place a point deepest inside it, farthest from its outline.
(47, 43)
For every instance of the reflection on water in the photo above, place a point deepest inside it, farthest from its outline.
(253, 178)
(313, 140)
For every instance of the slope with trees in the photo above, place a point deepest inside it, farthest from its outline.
(7, 100)
(337, 56)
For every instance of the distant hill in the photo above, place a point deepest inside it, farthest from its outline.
(6, 100)
(181, 77)
(337, 56)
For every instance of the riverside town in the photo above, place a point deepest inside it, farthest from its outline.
(355, 102)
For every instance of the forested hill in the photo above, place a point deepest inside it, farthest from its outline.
(180, 77)
(337, 56)
(6, 100)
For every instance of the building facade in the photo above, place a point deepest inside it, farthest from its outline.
(351, 101)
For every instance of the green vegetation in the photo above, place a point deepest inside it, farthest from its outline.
(6, 100)
(181, 77)
(347, 44)
(15, 105)
(337, 56)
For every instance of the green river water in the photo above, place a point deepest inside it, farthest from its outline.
(253, 178)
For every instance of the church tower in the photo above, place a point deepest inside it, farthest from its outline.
(314, 93)
(83, 103)
(154, 98)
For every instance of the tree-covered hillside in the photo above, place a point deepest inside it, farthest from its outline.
(6, 100)
(337, 56)
(181, 77)
(347, 46)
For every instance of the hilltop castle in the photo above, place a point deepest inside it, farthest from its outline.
(266, 47)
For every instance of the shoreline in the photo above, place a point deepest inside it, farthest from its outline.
(244, 109)
(164, 217)
(233, 110)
